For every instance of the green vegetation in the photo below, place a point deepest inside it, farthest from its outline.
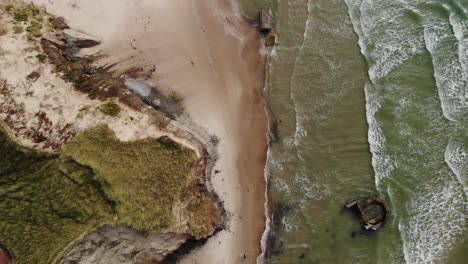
(34, 29)
(18, 29)
(23, 13)
(20, 15)
(46, 203)
(144, 178)
(41, 57)
(48, 200)
(110, 108)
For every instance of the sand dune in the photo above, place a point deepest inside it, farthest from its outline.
(209, 56)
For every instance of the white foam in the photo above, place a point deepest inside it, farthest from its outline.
(383, 164)
(299, 131)
(450, 65)
(288, 223)
(456, 156)
(392, 42)
(263, 242)
(437, 212)
(308, 189)
(437, 218)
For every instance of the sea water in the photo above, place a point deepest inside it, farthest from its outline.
(370, 97)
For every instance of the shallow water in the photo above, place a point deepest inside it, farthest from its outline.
(371, 97)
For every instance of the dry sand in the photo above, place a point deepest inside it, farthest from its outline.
(69, 112)
(209, 56)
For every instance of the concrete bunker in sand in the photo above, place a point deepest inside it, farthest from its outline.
(265, 18)
(266, 21)
(373, 212)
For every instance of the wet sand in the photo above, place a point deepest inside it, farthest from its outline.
(210, 57)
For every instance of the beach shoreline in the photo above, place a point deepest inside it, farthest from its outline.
(211, 57)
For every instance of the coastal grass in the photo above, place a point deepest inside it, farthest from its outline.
(110, 108)
(28, 15)
(46, 203)
(144, 178)
(34, 28)
(41, 57)
(49, 200)
(23, 13)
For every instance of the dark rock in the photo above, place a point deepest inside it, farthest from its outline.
(33, 76)
(58, 23)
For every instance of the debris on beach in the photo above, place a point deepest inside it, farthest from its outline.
(266, 27)
(373, 211)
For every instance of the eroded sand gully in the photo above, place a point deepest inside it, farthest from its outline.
(205, 53)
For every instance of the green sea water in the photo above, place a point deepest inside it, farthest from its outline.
(371, 97)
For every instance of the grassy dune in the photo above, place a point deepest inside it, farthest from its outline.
(45, 202)
(48, 201)
(143, 177)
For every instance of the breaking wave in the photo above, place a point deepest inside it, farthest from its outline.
(437, 218)
(456, 156)
(446, 40)
(391, 33)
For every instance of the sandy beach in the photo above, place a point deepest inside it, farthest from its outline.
(206, 54)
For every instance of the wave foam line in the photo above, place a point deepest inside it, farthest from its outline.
(449, 63)
(262, 258)
(437, 219)
(299, 132)
(456, 157)
(381, 163)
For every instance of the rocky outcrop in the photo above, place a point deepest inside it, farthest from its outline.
(123, 245)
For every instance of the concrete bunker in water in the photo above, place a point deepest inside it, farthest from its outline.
(373, 212)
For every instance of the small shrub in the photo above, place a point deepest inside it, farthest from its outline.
(17, 29)
(33, 9)
(21, 15)
(9, 7)
(41, 57)
(35, 29)
(73, 78)
(110, 108)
